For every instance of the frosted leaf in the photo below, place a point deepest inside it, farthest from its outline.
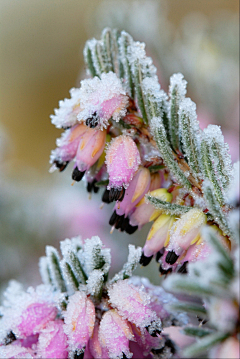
(177, 80)
(55, 269)
(131, 264)
(104, 98)
(136, 53)
(219, 154)
(123, 42)
(95, 282)
(94, 256)
(190, 133)
(66, 114)
(233, 188)
(44, 270)
(151, 85)
(71, 245)
(92, 45)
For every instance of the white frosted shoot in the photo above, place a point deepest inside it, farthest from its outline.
(137, 54)
(95, 282)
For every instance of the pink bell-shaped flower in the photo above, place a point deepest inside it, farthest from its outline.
(122, 160)
(79, 321)
(52, 341)
(185, 232)
(132, 304)
(95, 346)
(136, 190)
(114, 335)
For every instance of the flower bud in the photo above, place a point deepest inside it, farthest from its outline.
(146, 212)
(122, 159)
(114, 334)
(132, 304)
(158, 235)
(133, 119)
(52, 342)
(229, 349)
(79, 321)
(185, 232)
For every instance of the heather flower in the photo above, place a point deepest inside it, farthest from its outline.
(122, 160)
(101, 99)
(114, 334)
(158, 237)
(132, 304)
(94, 103)
(186, 231)
(14, 351)
(79, 321)
(52, 341)
(81, 143)
(145, 212)
(136, 190)
(229, 349)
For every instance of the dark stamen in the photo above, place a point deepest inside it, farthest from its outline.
(183, 268)
(95, 188)
(61, 165)
(92, 121)
(159, 255)
(66, 127)
(164, 271)
(77, 175)
(105, 196)
(124, 356)
(144, 261)
(119, 221)
(113, 218)
(130, 229)
(116, 194)
(169, 344)
(153, 329)
(78, 355)
(9, 338)
(89, 187)
(171, 257)
(125, 223)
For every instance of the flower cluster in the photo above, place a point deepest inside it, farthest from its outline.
(148, 152)
(78, 313)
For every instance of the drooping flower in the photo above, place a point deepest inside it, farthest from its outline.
(145, 212)
(122, 160)
(158, 237)
(185, 232)
(137, 188)
(81, 143)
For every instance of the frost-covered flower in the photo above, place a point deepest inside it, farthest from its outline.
(158, 237)
(52, 341)
(122, 160)
(81, 143)
(114, 334)
(136, 190)
(94, 103)
(132, 304)
(79, 321)
(145, 212)
(186, 231)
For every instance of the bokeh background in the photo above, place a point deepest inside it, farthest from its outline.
(41, 59)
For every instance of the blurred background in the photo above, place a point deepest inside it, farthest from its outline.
(41, 60)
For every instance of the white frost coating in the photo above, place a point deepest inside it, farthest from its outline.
(92, 44)
(178, 80)
(132, 303)
(136, 53)
(213, 134)
(71, 245)
(66, 114)
(122, 55)
(233, 188)
(95, 281)
(151, 84)
(91, 253)
(105, 96)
